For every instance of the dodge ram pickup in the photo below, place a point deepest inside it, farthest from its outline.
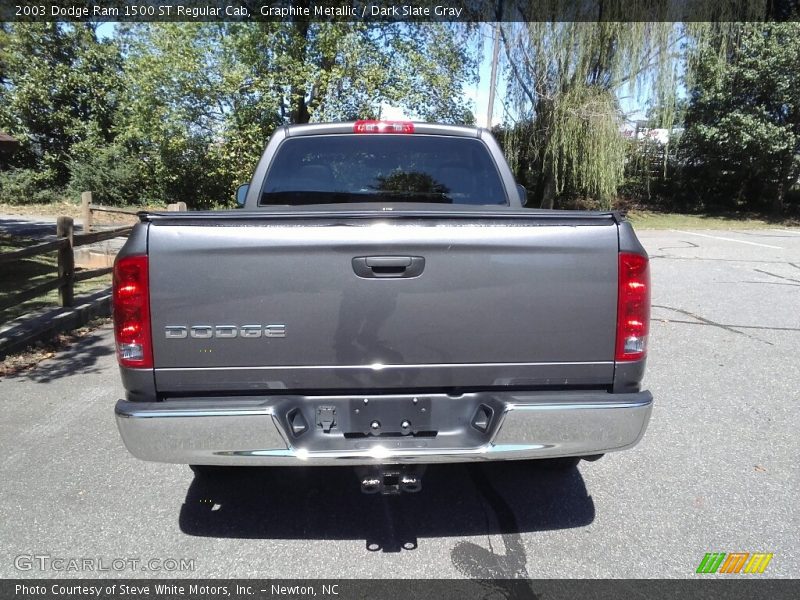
(382, 299)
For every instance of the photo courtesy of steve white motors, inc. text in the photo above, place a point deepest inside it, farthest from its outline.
(171, 589)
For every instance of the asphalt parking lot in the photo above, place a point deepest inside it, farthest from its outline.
(716, 471)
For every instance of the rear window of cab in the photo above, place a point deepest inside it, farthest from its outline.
(382, 168)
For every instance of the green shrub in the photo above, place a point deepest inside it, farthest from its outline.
(111, 173)
(28, 186)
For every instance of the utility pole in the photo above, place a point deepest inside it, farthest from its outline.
(493, 82)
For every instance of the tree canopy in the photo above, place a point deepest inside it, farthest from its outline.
(60, 86)
(741, 146)
(166, 112)
(181, 111)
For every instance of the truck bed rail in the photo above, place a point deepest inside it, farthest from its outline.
(295, 213)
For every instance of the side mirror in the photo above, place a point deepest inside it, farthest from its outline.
(241, 194)
(523, 194)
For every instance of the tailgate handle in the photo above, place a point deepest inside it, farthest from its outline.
(388, 266)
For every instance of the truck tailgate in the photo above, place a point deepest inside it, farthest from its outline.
(265, 303)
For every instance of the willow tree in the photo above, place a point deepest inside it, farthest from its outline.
(565, 76)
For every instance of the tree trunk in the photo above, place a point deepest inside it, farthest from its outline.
(788, 176)
(776, 208)
(300, 112)
(548, 190)
(297, 93)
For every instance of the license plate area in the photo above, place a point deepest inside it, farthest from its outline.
(389, 417)
(347, 423)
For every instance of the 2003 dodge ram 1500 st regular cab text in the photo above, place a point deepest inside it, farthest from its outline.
(384, 301)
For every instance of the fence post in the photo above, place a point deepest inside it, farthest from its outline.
(66, 260)
(86, 203)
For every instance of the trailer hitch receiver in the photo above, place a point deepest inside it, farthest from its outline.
(390, 479)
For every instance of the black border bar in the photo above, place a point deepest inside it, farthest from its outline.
(698, 587)
(384, 11)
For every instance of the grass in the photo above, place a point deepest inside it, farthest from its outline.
(642, 219)
(60, 209)
(70, 209)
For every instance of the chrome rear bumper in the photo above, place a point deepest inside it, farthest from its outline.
(253, 431)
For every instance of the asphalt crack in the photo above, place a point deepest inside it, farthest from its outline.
(709, 322)
(762, 283)
(756, 327)
(691, 245)
(776, 275)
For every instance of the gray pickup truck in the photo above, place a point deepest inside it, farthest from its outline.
(382, 300)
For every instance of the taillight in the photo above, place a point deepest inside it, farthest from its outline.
(633, 308)
(368, 126)
(132, 312)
